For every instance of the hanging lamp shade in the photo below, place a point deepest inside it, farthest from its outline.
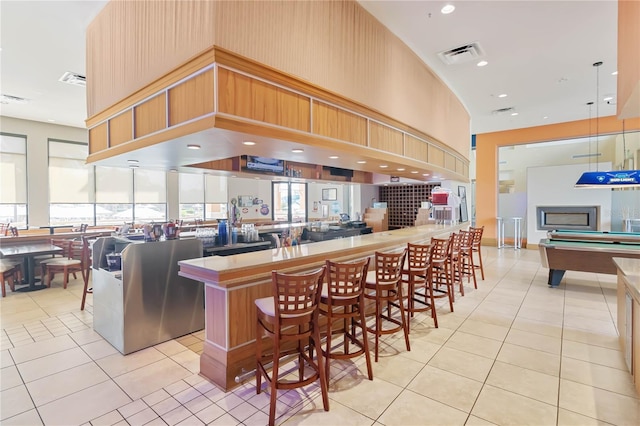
(607, 179)
(611, 179)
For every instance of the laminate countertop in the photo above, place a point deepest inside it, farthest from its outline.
(231, 270)
(630, 268)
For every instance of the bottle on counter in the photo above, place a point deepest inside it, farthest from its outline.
(223, 237)
(234, 236)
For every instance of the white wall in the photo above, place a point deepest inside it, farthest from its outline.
(38, 134)
(554, 186)
(258, 189)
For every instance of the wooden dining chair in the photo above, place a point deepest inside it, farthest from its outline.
(290, 316)
(342, 299)
(75, 262)
(384, 288)
(11, 273)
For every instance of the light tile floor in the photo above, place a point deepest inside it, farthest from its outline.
(514, 352)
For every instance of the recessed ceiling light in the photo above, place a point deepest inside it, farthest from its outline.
(414, 171)
(447, 9)
(193, 146)
(545, 117)
(248, 143)
(297, 150)
(384, 166)
(400, 169)
(333, 157)
(51, 120)
(132, 161)
(614, 73)
(482, 63)
(514, 114)
(361, 162)
(502, 95)
(607, 98)
(425, 174)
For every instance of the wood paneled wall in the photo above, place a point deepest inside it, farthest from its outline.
(151, 115)
(291, 110)
(247, 97)
(335, 45)
(338, 124)
(192, 98)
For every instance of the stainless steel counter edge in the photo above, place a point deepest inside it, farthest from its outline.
(230, 270)
(630, 268)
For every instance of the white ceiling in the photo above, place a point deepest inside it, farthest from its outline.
(540, 54)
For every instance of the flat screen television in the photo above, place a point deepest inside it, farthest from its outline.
(264, 164)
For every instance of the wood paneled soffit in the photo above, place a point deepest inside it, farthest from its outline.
(246, 97)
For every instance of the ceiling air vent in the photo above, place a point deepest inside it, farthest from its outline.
(461, 54)
(503, 111)
(73, 78)
(9, 99)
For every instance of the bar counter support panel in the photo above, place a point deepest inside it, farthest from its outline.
(232, 284)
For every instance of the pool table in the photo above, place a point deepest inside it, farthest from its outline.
(586, 251)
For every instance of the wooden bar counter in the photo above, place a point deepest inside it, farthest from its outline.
(629, 313)
(232, 283)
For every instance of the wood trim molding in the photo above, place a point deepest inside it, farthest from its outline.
(243, 88)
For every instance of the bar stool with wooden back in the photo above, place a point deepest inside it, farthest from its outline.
(384, 287)
(290, 316)
(477, 248)
(343, 299)
(417, 274)
(439, 265)
(465, 261)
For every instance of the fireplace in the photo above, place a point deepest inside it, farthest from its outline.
(579, 218)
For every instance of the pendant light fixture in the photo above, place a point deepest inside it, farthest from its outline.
(606, 179)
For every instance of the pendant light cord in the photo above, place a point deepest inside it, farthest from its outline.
(597, 65)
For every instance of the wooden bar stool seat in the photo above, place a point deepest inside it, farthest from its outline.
(417, 275)
(290, 316)
(384, 287)
(342, 298)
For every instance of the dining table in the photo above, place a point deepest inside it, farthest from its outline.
(28, 252)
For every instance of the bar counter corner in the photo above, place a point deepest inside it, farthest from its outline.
(232, 283)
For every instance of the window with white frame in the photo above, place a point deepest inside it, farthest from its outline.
(191, 187)
(150, 195)
(71, 184)
(114, 195)
(202, 196)
(13, 180)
